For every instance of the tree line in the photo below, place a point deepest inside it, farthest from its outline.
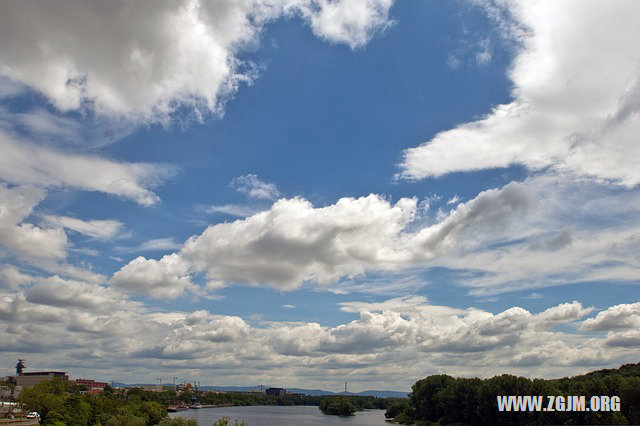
(62, 403)
(442, 399)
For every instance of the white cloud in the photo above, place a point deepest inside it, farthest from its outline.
(404, 304)
(255, 188)
(575, 104)
(69, 131)
(145, 60)
(23, 162)
(623, 316)
(24, 239)
(102, 229)
(453, 200)
(578, 230)
(483, 56)
(44, 125)
(56, 291)
(9, 88)
(563, 314)
(494, 243)
(11, 277)
(84, 327)
(237, 210)
(294, 242)
(164, 278)
(352, 22)
(158, 244)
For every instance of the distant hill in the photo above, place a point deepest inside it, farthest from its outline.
(311, 392)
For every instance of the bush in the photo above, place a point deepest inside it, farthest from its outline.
(224, 421)
(126, 420)
(178, 421)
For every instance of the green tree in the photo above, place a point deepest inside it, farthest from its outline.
(337, 405)
(224, 421)
(178, 421)
(44, 397)
(396, 408)
(126, 420)
(153, 412)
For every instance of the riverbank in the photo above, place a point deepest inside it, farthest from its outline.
(270, 415)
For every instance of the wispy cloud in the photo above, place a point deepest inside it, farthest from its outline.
(255, 188)
(102, 229)
(238, 210)
(23, 162)
(158, 244)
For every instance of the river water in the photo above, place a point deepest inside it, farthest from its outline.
(274, 415)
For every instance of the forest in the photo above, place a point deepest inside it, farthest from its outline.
(442, 399)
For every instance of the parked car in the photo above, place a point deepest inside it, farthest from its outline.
(33, 415)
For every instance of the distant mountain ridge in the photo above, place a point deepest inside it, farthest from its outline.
(311, 392)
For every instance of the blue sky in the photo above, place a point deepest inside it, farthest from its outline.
(306, 192)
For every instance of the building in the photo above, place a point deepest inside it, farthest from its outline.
(26, 380)
(276, 391)
(93, 387)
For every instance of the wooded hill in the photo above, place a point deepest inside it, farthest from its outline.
(442, 399)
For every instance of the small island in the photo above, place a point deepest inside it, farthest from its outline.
(337, 406)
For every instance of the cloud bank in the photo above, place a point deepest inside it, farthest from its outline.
(69, 326)
(294, 242)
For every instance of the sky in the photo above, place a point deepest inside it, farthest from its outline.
(306, 192)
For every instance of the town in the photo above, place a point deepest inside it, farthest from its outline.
(187, 395)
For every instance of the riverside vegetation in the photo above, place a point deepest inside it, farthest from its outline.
(61, 403)
(442, 399)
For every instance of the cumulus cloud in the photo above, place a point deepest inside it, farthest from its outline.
(145, 60)
(352, 22)
(56, 291)
(164, 278)
(11, 277)
(294, 241)
(255, 188)
(624, 316)
(23, 162)
(574, 108)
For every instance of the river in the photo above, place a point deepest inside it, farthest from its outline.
(274, 415)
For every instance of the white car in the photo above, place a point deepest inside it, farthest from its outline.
(33, 415)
